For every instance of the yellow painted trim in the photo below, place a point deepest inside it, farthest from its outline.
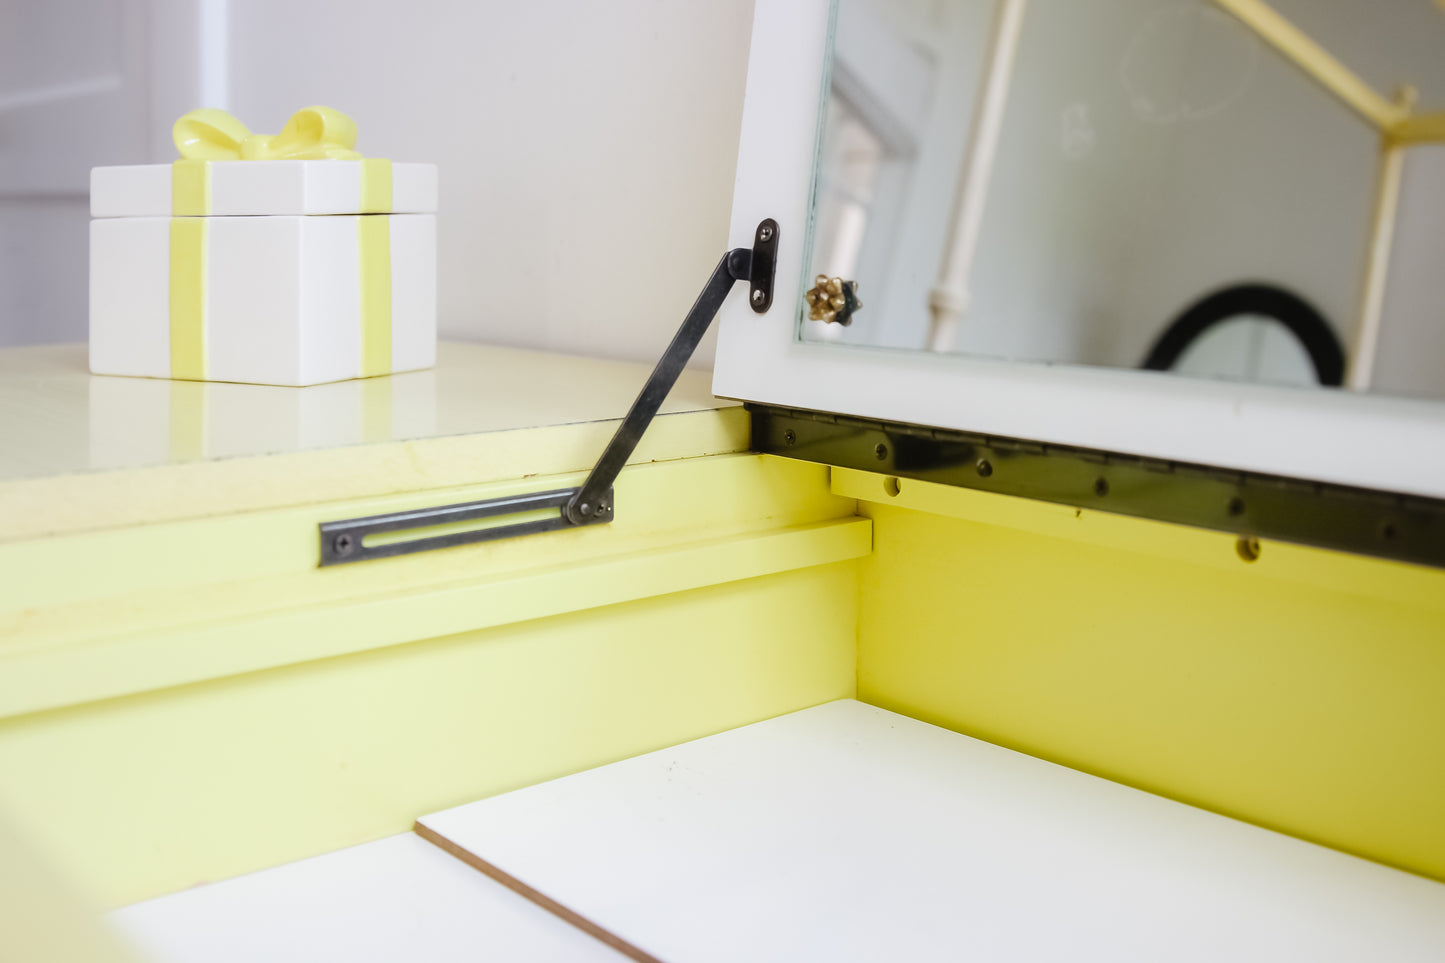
(190, 188)
(178, 610)
(275, 553)
(69, 675)
(373, 243)
(375, 185)
(1420, 129)
(150, 794)
(1314, 60)
(1395, 582)
(188, 298)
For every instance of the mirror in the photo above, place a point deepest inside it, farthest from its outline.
(1217, 188)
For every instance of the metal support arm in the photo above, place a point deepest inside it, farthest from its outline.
(591, 504)
(736, 265)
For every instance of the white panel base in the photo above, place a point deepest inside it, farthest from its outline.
(413, 292)
(329, 341)
(130, 297)
(253, 299)
(845, 832)
(395, 899)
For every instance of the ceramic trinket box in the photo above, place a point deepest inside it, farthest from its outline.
(285, 260)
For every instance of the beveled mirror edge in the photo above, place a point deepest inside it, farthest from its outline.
(1386, 444)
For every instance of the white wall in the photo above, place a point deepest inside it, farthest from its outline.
(73, 81)
(586, 151)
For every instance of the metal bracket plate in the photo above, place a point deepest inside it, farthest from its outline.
(763, 266)
(346, 541)
(1247, 505)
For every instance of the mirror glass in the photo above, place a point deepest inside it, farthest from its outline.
(1216, 188)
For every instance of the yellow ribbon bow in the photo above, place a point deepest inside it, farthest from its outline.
(312, 133)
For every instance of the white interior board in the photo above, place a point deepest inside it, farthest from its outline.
(399, 898)
(845, 832)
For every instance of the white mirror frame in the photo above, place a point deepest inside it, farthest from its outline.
(1333, 436)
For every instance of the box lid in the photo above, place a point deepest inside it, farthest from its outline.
(249, 187)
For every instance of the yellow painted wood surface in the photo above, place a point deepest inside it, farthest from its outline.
(1300, 692)
(42, 919)
(193, 700)
(148, 794)
(185, 695)
(116, 612)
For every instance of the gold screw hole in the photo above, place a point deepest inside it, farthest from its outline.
(892, 486)
(1248, 548)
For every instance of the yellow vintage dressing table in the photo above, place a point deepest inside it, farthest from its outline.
(187, 696)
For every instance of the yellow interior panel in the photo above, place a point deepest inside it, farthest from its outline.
(1300, 692)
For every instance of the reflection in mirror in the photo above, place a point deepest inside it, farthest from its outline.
(1057, 181)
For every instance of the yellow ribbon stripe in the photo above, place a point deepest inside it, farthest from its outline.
(373, 242)
(375, 186)
(190, 188)
(188, 298)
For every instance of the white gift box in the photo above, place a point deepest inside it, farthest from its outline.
(283, 280)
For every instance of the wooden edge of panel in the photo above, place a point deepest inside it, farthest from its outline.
(536, 896)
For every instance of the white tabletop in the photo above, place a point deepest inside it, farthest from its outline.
(845, 832)
(79, 452)
(397, 899)
(61, 419)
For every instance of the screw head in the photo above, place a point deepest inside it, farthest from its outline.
(343, 544)
(984, 468)
(1247, 547)
(790, 437)
(880, 451)
(758, 296)
(765, 233)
